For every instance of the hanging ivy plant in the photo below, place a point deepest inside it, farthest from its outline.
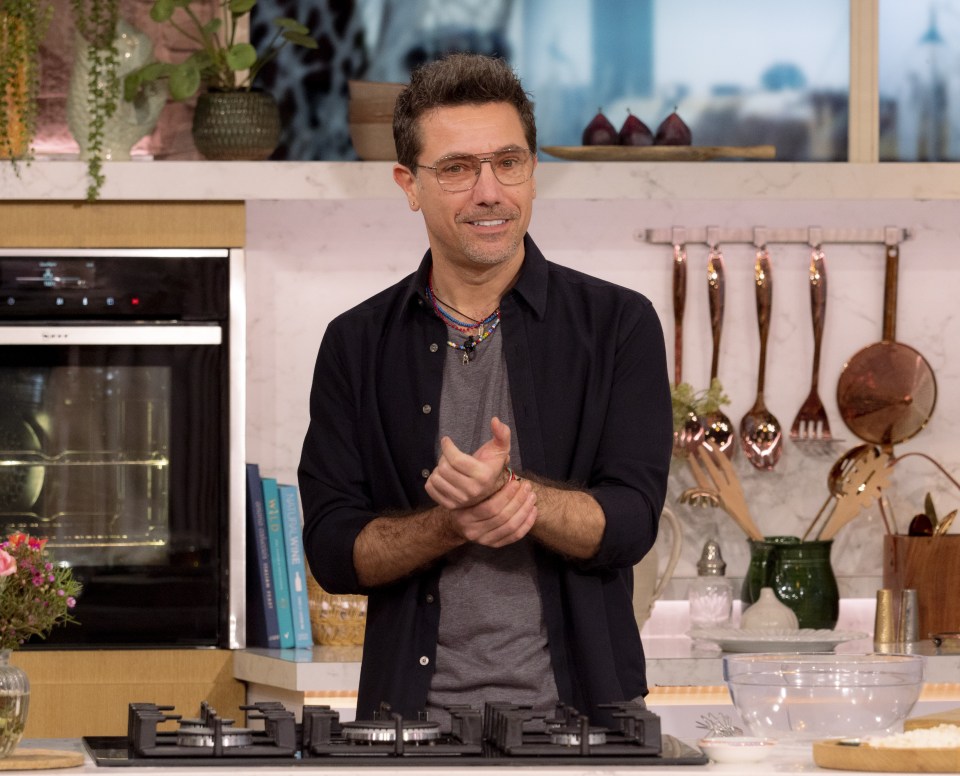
(96, 22)
(23, 23)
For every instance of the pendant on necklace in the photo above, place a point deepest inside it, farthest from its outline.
(469, 346)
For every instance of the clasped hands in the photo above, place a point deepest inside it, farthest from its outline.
(486, 505)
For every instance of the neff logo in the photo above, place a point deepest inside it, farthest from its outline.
(52, 335)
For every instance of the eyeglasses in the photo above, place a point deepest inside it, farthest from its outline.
(511, 167)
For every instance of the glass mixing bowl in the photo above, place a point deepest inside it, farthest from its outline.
(806, 697)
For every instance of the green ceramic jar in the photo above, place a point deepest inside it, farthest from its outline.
(801, 577)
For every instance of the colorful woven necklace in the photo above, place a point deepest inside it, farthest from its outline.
(485, 328)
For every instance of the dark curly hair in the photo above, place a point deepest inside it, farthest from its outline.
(457, 79)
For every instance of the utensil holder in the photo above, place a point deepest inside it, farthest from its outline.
(931, 566)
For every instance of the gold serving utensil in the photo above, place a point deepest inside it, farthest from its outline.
(944, 525)
(863, 481)
(702, 495)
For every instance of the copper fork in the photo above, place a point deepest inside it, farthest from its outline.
(811, 422)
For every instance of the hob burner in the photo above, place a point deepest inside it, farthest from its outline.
(196, 735)
(377, 731)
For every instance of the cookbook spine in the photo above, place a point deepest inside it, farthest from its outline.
(296, 567)
(263, 628)
(278, 561)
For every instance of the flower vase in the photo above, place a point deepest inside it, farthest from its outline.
(14, 703)
(130, 121)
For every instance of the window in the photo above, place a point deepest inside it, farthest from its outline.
(919, 80)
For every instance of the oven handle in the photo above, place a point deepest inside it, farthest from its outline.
(142, 334)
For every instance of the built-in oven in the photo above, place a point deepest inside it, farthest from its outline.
(121, 436)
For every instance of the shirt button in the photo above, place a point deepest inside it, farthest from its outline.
(429, 598)
(426, 409)
(434, 347)
(424, 660)
(424, 473)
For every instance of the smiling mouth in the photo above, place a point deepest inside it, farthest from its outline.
(497, 222)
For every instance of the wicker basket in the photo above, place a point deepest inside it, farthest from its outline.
(337, 620)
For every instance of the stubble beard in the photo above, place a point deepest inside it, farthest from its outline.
(477, 251)
(479, 254)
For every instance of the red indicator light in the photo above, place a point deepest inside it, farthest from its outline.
(135, 300)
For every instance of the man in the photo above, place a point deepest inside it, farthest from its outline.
(490, 438)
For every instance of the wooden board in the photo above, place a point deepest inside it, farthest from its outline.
(833, 754)
(662, 153)
(39, 759)
(950, 717)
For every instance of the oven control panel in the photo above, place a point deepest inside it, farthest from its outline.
(112, 287)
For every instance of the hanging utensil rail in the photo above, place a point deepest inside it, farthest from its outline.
(759, 236)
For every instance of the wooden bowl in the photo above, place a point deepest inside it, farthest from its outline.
(370, 117)
(373, 141)
(372, 100)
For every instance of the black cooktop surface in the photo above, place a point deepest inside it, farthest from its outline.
(500, 734)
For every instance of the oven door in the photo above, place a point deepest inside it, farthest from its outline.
(113, 445)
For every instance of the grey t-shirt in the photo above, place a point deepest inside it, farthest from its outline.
(492, 644)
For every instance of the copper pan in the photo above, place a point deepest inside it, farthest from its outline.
(887, 391)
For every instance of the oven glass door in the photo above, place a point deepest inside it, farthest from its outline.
(115, 451)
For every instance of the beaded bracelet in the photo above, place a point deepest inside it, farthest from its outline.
(513, 476)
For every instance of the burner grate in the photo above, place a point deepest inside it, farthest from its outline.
(211, 735)
(501, 734)
(389, 735)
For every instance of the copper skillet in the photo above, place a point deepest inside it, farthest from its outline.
(887, 391)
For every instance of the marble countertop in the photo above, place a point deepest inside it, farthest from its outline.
(779, 760)
(62, 179)
(672, 661)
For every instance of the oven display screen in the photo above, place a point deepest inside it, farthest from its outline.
(53, 274)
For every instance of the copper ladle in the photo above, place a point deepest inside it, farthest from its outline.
(717, 426)
(761, 434)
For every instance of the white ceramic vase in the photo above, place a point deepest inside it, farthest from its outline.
(131, 120)
(768, 614)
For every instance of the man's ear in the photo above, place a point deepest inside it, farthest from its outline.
(407, 181)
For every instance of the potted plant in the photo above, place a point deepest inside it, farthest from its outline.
(96, 25)
(36, 594)
(104, 125)
(23, 23)
(232, 120)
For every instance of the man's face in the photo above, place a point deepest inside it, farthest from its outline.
(484, 225)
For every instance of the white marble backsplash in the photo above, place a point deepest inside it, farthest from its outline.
(309, 260)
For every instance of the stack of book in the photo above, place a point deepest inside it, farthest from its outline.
(278, 608)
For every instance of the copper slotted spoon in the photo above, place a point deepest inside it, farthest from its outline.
(761, 435)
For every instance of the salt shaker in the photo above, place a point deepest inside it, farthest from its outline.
(710, 594)
(908, 630)
(884, 627)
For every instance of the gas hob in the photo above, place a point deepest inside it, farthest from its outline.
(500, 733)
